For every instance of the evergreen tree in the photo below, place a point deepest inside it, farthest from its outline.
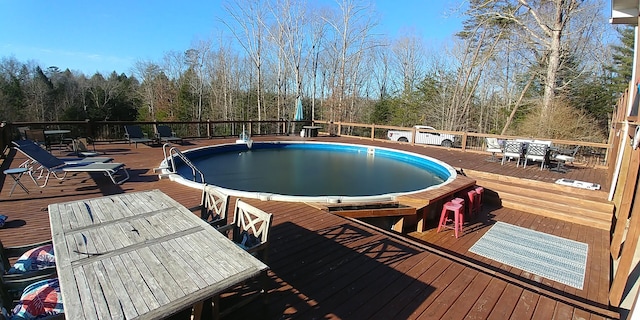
(622, 66)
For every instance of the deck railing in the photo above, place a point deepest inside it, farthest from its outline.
(113, 131)
(590, 154)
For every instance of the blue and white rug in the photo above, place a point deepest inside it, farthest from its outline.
(546, 255)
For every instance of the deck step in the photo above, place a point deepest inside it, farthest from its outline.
(586, 207)
(558, 200)
(564, 216)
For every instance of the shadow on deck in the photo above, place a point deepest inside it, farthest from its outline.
(327, 266)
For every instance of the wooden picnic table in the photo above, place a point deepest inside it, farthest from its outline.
(141, 255)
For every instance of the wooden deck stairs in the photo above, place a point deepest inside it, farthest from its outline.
(586, 207)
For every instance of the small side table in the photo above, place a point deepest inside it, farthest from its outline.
(16, 174)
(311, 131)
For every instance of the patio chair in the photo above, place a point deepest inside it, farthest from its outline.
(512, 149)
(214, 206)
(561, 157)
(536, 152)
(250, 229)
(494, 147)
(165, 134)
(22, 132)
(30, 260)
(37, 298)
(37, 136)
(133, 133)
(28, 144)
(34, 262)
(81, 150)
(48, 165)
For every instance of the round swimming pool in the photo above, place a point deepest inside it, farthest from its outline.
(313, 171)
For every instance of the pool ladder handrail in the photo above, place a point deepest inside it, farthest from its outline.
(171, 166)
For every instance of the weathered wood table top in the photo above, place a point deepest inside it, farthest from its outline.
(140, 255)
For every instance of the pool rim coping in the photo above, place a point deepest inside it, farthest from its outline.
(265, 196)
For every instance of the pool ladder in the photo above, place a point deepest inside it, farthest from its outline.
(169, 162)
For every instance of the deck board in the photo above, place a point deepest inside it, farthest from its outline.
(326, 266)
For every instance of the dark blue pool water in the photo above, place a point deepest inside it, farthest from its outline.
(315, 169)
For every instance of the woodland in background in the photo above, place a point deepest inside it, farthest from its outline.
(549, 69)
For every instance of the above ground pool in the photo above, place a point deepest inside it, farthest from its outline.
(313, 171)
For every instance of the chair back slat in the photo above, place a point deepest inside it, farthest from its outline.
(513, 147)
(214, 206)
(253, 220)
(537, 149)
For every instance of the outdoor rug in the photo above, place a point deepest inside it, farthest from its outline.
(546, 255)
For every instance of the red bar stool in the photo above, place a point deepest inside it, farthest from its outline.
(460, 201)
(458, 214)
(473, 202)
(480, 192)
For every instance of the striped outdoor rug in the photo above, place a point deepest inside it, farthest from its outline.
(546, 255)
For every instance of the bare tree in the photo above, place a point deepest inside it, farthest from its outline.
(196, 60)
(548, 28)
(408, 54)
(146, 73)
(351, 36)
(249, 18)
(290, 18)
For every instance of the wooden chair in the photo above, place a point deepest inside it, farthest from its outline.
(250, 229)
(214, 207)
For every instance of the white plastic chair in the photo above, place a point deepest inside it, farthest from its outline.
(494, 147)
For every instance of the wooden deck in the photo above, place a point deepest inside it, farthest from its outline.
(327, 266)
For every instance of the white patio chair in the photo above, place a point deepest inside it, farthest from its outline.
(494, 147)
(512, 149)
(536, 152)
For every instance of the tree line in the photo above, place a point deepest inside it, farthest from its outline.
(537, 68)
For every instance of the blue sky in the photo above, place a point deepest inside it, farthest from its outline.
(104, 36)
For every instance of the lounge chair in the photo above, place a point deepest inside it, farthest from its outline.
(134, 134)
(44, 153)
(48, 164)
(165, 134)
